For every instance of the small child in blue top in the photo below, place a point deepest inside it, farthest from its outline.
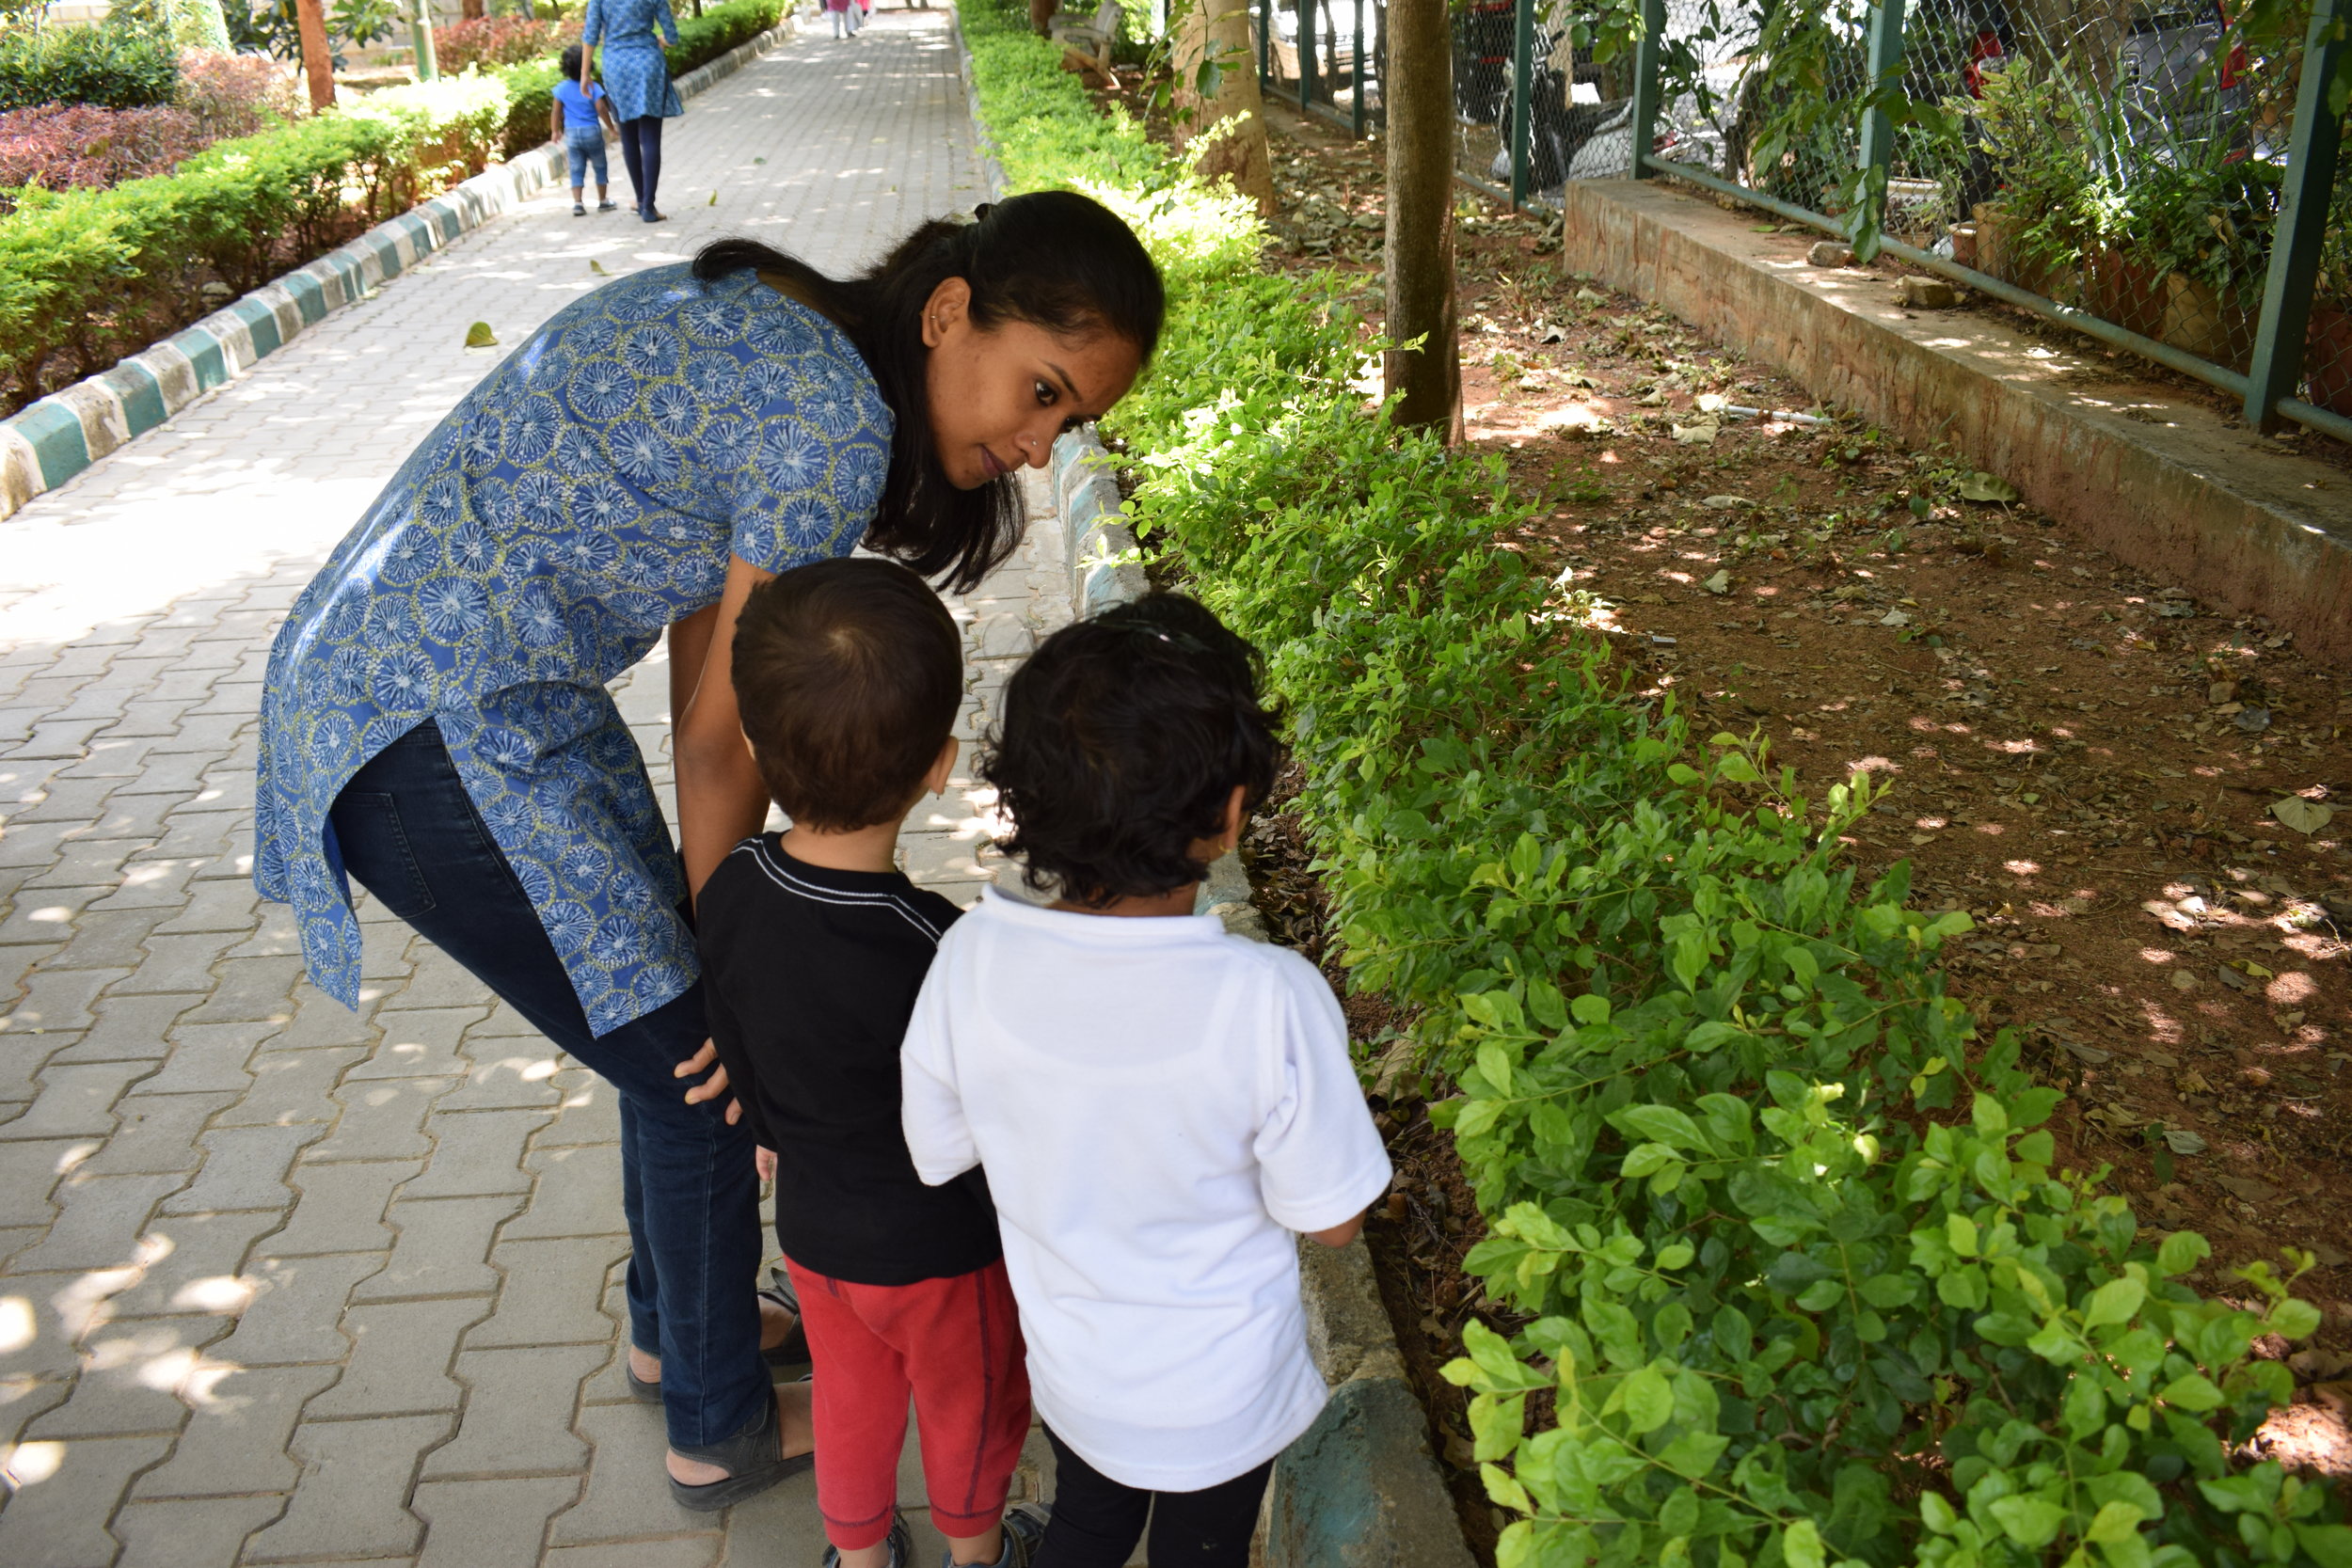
(580, 121)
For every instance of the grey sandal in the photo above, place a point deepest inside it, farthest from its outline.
(753, 1458)
(793, 1351)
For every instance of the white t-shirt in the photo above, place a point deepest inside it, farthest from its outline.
(1158, 1106)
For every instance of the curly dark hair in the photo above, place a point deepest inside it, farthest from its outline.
(1122, 738)
(849, 675)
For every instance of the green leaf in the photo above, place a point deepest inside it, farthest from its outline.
(2329, 1545)
(1936, 1512)
(1503, 1490)
(2181, 1252)
(1801, 1545)
(1590, 1010)
(2194, 1393)
(1676, 1255)
(2114, 1303)
(1693, 1453)
(1662, 1124)
(2029, 1521)
(2293, 1319)
(1498, 1423)
(1648, 1400)
(2116, 1521)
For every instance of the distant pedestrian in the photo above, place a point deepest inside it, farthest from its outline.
(637, 74)
(581, 118)
(848, 16)
(1160, 1107)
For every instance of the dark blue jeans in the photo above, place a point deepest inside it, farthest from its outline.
(410, 836)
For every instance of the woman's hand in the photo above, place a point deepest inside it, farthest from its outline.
(706, 1059)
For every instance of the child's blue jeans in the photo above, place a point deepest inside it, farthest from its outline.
(586, 146)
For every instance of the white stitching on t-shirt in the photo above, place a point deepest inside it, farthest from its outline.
(791, 883)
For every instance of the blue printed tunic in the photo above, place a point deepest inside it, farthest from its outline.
(580, 499)
(636, 73)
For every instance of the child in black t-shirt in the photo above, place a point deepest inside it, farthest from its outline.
(849, 675)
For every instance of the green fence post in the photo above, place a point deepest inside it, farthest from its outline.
(2311, 178)
(1878, 128)
(421, 38)
(1266, 44)
(1522, 95)
(1356, 88)
(1307, 72)
(1648, 58)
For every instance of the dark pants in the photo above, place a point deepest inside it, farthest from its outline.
(640, 150)
(410, 836)
(1097, 1521)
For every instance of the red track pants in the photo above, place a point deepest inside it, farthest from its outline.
(955, 1345)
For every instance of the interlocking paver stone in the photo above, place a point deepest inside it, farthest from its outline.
(341, 1208)
(349, 1502)
(157, 1134)
(479, 1523)
(173, 1021)
(400, 1357)
(295, 1315)
(194, 1533)
(59, 1520)
(476, 1153)
(245, 1167)
(518, 1415)
(382, 1118)
(443, 1248)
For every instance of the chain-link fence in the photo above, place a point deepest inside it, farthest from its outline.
(2132, 167)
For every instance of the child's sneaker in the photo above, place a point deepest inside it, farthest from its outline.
(608, 206)
(579, 211)
(901, 1542)
(1025, 1532)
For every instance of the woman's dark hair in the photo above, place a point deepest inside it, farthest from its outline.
(848, 678)
(1123, 739)
(571, 62)
(1054, 259)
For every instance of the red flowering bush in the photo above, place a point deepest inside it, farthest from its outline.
(496, 40)
(237, 95)
(82, 147)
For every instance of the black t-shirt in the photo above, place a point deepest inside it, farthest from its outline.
(810, 975)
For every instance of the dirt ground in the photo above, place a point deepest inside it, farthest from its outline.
(2128, 790)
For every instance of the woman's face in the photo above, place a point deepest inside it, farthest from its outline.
(999, 395)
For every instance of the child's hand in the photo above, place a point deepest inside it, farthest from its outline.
(764, 1162)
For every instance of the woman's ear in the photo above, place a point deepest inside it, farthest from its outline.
(1235, 805)
(948, 308)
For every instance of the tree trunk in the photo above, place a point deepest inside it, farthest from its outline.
(1218, 31)
(472, 10)
(1427, 381)
(318, 61)
(1042, 12)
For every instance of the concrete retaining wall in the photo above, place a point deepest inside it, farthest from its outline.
(53, 440)
(2157, 478)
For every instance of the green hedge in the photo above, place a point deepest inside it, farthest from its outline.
(1800, 1283)
(114, 65)
(88, 277)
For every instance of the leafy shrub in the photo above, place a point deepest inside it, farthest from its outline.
(78, 146)
(1800, 1284)
(237, 95)
(114, 65)
(704, 37)
(496, 40)
(272, 28)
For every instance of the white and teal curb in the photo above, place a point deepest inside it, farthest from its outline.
(56, 438)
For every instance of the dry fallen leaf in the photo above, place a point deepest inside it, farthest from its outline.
(1981, 486)
(1719, 583)
(480, 336)
(2180, 1140)
(2304, 816)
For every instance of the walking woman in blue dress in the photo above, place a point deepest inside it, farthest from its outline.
(637, 76)
(435, 724)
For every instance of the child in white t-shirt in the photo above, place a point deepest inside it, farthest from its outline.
(1158, 1105)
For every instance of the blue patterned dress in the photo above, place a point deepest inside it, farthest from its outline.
(580, 499)
(636, 73)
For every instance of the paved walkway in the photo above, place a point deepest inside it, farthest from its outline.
(277, 1283)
